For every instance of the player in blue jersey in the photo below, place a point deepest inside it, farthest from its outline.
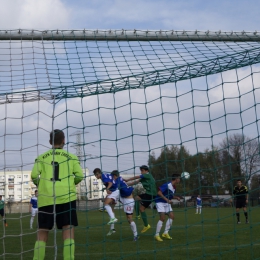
(33, 208)
(127, 199)
(199, 205)
(112, 193)
(163, 205)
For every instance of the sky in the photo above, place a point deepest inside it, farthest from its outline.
(133, 135)
(135, 14)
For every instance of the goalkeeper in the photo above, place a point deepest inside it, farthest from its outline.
(56, 172)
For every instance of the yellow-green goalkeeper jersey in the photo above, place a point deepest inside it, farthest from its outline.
(56, 172)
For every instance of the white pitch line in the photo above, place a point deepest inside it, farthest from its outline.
(177, 248)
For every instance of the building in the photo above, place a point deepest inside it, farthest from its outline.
(16, 185)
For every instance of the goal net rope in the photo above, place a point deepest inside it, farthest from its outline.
(175, 101)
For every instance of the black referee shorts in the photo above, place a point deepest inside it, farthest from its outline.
(240, 204)
(65, 214)
(146, 199)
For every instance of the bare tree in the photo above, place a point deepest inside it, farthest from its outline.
(243, 154)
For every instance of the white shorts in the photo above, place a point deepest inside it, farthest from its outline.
(114, 195)
(163, 207)
(129, 205)
(34, 212)
(199, 206)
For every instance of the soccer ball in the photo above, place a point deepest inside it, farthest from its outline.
(185, 175)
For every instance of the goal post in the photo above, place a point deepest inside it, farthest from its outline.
(176, 101)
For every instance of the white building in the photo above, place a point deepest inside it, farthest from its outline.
(16, 185)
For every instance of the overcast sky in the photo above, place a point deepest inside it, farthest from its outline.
(135, 135)
(142, 14)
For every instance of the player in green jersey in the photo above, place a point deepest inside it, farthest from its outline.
(56, 172)
(2, 210)
(144, 200)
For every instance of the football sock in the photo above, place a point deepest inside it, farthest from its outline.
(109, 211)
(197, 210)
(69, 249)
(245, 213)
(158, 227)
(238, 217)
(168, 225)
(39, 250)
(137, 206)
(133, 227)
(31, 221)
(112, 226)
(144, 218)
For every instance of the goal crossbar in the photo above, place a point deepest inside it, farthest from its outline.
(128, 35)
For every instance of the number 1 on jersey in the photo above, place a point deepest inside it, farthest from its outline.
(56, 169)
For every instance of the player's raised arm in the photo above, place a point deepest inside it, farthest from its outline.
(132, 178)
(133, 183)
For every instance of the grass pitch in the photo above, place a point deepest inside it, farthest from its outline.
(212, 235)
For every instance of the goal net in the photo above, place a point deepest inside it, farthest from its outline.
(177, 101)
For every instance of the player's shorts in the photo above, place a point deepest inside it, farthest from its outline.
(240, 204)
(199, 206)
(129, 204)
(146, 199)
(34, 211)
(65, 215)
(2, 212)
(163, 207)
(114, 195)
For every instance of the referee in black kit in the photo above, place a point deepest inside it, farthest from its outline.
(240, 193)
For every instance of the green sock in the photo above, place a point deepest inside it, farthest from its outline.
(144, 218)
(69, 249)
(39, 250)
(137, 206)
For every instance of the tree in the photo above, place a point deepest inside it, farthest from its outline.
(254, 187)
(241, 156)
(174, 159)
(171, 159)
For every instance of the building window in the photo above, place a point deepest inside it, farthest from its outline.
(25, 176)
(19, 176)
(26, 189)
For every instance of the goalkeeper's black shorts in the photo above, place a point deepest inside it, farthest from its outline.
(65, 214)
